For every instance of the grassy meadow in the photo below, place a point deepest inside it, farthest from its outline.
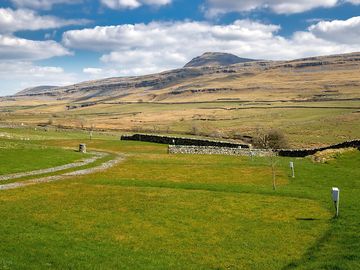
(161, 211)
(19, 157)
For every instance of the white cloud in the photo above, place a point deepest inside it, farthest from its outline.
(13, 48)
(161, 34)
(141, 62)
(16, 70)
(17, 75)
(42, 4)
(93, 71)
(23, 19)
(218, 7)
(157, 46)
(132, 4)
(355, 2)
(100, 73)
(339, 31)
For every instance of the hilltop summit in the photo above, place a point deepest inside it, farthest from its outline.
(216, 59)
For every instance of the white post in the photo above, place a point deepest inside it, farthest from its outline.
(292, 169)
(251, 155)
(336, 198)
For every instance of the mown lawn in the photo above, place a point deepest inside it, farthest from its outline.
(160, 211)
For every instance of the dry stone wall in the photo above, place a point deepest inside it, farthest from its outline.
(181, 141)
(180, 145)
(312, 151)
(214, 150)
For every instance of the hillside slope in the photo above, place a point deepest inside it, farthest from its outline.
(35, 90)
(327, 77)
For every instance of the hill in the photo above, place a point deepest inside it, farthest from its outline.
(327, 77)
(314, 101)
(216, 59)
(35, 90)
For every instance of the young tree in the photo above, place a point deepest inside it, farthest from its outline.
(273, 162)
(272, 141)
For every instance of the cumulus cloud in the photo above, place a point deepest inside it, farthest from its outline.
(147, 48)
(141, 62)
(355, 2)
(14, 48)
(339, 31)
(218, 7)
(132, 4)
(92, 73)
(42, 4)
(162, 34)
(23, 19)
(25, 74)
(16, 70)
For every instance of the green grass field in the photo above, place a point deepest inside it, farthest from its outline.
(23, 157)
(160, 211)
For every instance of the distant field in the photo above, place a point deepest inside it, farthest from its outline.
(160, 211)
(304, 123)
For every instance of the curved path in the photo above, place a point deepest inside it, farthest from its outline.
(96, 156)
(101, 167)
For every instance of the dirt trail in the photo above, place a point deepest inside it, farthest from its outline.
(104, 166)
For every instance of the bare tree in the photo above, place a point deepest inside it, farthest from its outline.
(80, 122)
(50, 121)
(271, 140)
(195, 129)
(92, 127)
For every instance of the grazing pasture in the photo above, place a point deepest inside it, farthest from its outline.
(161, 211)
(19, 157)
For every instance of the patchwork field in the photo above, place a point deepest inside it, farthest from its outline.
(304, 124)
(159, 211)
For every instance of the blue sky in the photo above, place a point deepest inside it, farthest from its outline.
(59, 42)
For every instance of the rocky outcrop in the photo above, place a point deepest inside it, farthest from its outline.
(37, 89)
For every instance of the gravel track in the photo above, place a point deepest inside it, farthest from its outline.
(83, 162)
(102, 167)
